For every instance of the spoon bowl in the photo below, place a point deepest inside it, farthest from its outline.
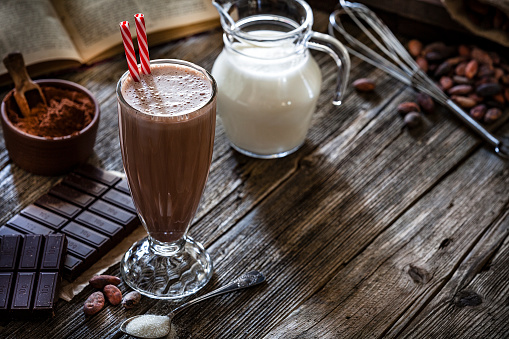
(246, 280)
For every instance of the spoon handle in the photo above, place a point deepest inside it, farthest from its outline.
(246, 280)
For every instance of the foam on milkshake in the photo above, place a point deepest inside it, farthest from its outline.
(168, 90)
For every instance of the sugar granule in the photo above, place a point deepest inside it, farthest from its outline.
(149, 326)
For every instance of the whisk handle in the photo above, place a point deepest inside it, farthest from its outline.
(327, 44)
(501, 145)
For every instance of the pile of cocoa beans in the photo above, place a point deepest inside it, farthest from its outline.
(476, 80)
(108, 285)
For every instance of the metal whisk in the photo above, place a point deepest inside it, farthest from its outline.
(398, 63)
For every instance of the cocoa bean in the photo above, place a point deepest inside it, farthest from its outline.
(464, 51)
(413, 119)
(485, 80)
(461, 80)
(422, 63)
(364, 85)
(449, 51)
(446, 83)
(426, 103)
(494, 57)
(113, 294)
(99, 281)
(477, 112)
(471, 69)
(443, 69)
(407, 107)
(493, 103)
(492, 115)
(414, 47)
(461, 68)
(438, 51)
(481, 56)
(131, 299)
(464, 102)
(460, 90)
(499, 98)
(434, 56)
(485, 71)
(456, 60)
(94, 303)
(488, 89)
(499, 73)
(476, 97)
(434, 46)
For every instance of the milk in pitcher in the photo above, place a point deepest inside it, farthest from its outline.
(266, 95)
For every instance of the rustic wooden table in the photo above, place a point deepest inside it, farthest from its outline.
(369, 230)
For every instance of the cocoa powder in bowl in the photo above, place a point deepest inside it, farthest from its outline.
(52, 142)
(68, 112)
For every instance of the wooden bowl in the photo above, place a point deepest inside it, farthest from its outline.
(49, 156)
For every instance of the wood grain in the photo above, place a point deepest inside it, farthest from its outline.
(366, 231)
(410, 262)
(474, 301)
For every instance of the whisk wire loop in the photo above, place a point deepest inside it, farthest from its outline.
(397, 62)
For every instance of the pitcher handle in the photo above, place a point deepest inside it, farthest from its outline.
(325, 43)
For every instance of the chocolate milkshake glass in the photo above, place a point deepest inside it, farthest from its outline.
(167, 123)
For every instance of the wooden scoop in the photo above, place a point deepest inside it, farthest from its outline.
(25, 88)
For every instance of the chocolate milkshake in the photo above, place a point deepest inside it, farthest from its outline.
(167, 123)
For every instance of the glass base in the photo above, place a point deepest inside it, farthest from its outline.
(166, 272)
(265, 156)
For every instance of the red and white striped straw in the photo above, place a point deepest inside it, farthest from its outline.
(141, 32)
(129, 50)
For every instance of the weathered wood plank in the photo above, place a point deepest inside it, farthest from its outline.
(409, 263)
(301, 219)
(474, 302)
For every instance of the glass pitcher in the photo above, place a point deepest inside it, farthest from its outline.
(268, 82)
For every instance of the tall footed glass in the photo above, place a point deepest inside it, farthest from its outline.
(167, 124)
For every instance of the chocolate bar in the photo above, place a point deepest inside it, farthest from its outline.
(30, 278)
(25, 225)
(30, 253)
(92, 207)
(9, 253)
(4, 230)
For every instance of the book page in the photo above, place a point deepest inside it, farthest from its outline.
(93, 25)
(32, 27)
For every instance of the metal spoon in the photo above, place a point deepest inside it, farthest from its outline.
(246, 280)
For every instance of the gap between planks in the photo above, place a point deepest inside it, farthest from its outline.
(460, 260)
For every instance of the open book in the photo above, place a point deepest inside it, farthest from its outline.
(58, 34)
